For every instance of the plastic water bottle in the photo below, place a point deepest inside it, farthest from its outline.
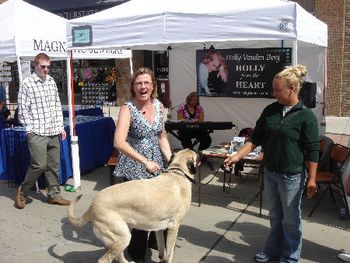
(232, 148)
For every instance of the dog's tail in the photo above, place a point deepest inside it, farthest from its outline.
(79, 222)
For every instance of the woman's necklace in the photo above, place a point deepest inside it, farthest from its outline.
(143, 110)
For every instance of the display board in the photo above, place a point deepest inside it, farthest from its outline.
(244, 72)
(97, 94)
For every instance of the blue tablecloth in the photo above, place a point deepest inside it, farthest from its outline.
(95, 147)
(15, 156)
(85, 112)
(95, 139)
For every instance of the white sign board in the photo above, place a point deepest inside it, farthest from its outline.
(5, 73)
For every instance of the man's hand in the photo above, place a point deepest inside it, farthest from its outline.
(63, 135)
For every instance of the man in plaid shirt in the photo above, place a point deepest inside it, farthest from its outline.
(40, 112)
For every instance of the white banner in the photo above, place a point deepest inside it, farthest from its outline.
(56, 48)
(101, 53)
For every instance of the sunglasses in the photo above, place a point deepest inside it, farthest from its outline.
(45, 66)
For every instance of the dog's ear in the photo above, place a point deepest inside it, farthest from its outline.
(191, 166)
(171, 158)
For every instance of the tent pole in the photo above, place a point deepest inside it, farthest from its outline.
(323, 123)
(69, 95)
(74, 138)
(325, 81)
(19, 67)
(131, 66)
(295, 53)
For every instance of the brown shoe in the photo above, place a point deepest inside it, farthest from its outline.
(20, 201)
(58, 201)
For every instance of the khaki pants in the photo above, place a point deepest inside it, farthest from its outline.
(44, 158)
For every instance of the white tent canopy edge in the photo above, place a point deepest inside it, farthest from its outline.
(28, 30)
(155, 24)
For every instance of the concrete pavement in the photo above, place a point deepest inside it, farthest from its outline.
(226, 228)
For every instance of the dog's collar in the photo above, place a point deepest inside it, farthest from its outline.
(180, 172)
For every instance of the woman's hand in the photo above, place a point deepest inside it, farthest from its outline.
(311, 188)
(152, 167)
(229, 161)
(311, 182)
(232, 159)
(222, 74)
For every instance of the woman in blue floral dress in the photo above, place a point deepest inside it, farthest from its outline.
(142, 142)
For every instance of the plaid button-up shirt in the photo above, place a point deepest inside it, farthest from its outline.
(39, 106)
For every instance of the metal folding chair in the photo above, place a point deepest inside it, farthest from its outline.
(332, 179)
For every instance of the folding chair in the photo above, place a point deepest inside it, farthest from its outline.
(111, 163)
(332, 179)
(324, 163)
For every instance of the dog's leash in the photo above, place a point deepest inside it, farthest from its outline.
(177, 170)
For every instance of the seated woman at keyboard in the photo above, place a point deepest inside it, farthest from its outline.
(191, 111)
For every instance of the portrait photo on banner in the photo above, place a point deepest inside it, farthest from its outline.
(239, 72)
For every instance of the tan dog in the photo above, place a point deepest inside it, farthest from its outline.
(148, 204)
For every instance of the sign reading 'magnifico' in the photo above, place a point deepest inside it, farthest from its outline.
(239, 72)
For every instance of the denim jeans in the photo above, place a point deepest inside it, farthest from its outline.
(283, 193)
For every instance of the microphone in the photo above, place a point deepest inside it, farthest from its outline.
(177, 106)
(168, 116)
(172, 108)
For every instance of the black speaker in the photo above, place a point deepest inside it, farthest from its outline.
(308, 94)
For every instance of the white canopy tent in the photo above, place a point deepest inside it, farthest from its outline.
(28, 30)
(184, 26)
(156, 24)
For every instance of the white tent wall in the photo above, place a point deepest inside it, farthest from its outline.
(314, 58)
(310, 30)
(243, 112)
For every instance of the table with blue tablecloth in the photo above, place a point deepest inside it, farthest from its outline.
(96, 111)
(95, 139)
(95, 136)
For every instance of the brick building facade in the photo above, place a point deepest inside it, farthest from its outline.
(338, 20)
